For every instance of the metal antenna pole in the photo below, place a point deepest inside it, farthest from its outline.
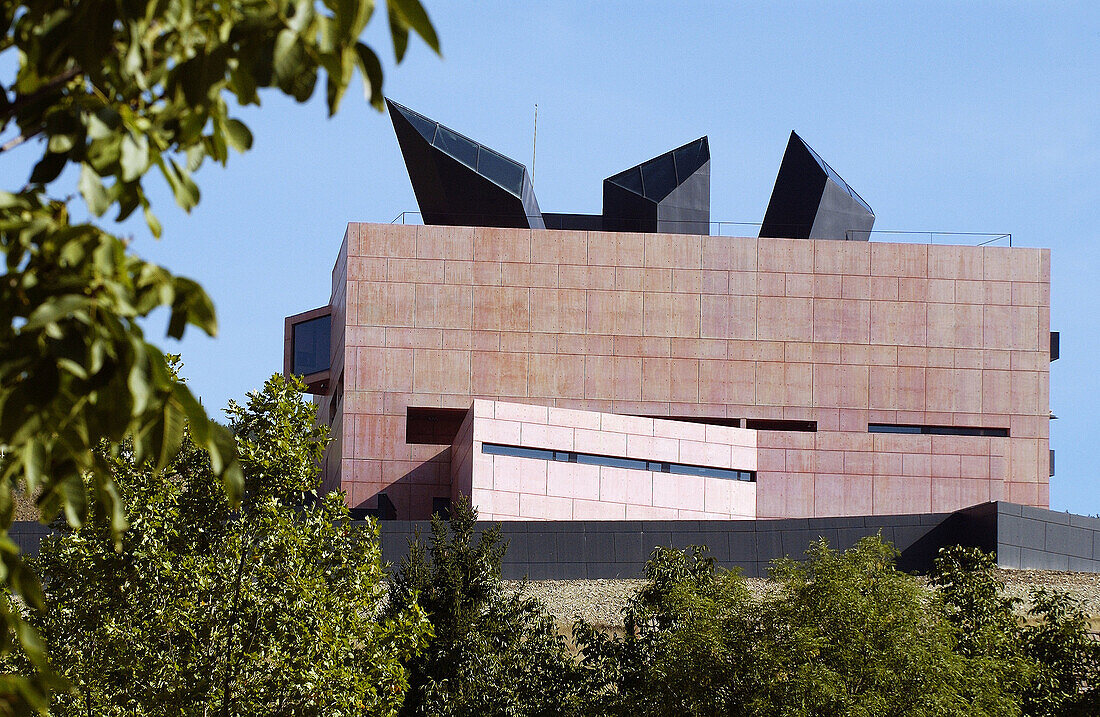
(534, 139)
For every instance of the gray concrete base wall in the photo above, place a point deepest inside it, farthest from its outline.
(1038, 539)
(1023, 537)
(575, 550)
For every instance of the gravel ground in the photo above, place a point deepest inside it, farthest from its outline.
(601, 601)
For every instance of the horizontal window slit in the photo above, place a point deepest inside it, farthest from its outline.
(499, 449)
(915, 429)
(758, 424)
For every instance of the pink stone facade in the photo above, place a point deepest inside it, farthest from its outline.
(518, 488)
(843, 334)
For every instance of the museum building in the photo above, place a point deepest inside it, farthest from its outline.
(631, 366)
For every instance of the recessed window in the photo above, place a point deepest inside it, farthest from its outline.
(757, 424)
(435, 426)
(311, 344)
(498, 449)
(774, 424)
(937, 430)
(442, 506)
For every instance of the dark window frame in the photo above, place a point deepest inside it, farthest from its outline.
(922, 430)
(594, 459)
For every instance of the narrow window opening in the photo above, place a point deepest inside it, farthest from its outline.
(435, 426)
(592, 459)
(775, 424)
(442, 506)
(916, 429)
(759, 424)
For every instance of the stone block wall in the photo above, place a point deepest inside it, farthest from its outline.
(843, 334)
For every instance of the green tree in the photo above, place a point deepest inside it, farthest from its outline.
(841, 633)
(117, 89)
(1051, 665)
(982, 617)
(493, 652)
(1066, 679)
(855, 636)
(692, 644)
(207, 609)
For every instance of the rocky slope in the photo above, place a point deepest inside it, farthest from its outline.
(601, 601)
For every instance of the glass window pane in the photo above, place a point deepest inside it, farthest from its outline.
(659, 177)
(457, 146)
(630, 179)
(423, 125)
(501, 170)
(612, 461)
(616, 462)
(689, 158)
(517, 451)
(310, 345)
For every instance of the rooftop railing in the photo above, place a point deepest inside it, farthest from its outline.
(740, 229)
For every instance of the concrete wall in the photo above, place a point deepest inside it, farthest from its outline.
(509, 487)
(841, 333)
(1023, 537)
(1039, 539)
(619, 549)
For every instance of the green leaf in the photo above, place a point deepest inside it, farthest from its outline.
(135, 157)
(288, 59)
(61, 143)
(303, 16)
(414, 17)
(34, 465)
(187, 194)
(223, 460)
(171, 434)
(152, 221)
(372, 75)
(95, 194)
(48, 168)
(191, 305)
(54, 309)
(238, 135)
(399, 31)
(138, 381)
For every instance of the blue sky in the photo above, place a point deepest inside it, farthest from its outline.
(944, 116)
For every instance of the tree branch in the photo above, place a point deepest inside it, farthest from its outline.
(16, 141)
(22, 101)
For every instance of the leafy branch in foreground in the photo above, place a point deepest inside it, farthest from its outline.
(272, 608)
(118, 89)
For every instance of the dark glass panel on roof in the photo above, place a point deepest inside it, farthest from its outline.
(457, 146)
(500, 169)
(837, 179)
(630, 179)
(659, 177)
(859, 199)
(310, 345)
(690, 157)
(423, 125)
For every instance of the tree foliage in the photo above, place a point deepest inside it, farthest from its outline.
(1049, 665)
(493, 652)
(840, 633)
(272, 608)
(117, 89)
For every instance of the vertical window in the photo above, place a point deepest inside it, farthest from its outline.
(311, 344)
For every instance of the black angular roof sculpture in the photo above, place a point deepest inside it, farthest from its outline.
(811, 201)
(669, 193)
(458, 181)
